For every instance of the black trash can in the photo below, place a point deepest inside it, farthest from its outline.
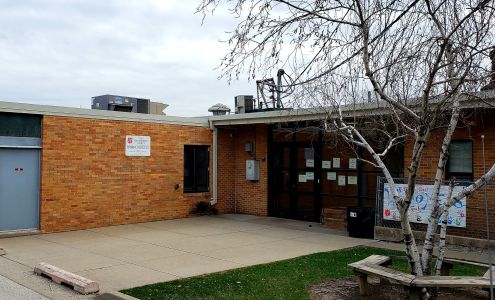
(361, 222)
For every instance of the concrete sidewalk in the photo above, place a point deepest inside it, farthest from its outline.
(10, 290)
(471, 255)
(127, 256)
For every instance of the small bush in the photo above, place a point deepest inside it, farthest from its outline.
(204, 208)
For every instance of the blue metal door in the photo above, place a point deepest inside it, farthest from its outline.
(19, 188)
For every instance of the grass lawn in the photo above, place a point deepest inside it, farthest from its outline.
(288, 279)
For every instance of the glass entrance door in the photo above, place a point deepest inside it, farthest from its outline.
(295, 182)
(283, 182)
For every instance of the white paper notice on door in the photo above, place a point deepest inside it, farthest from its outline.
(302, 178)
(310, 176)
(342, 180)
(332, 176)
(352, 179)
(326, 164)
(352, 163)
(336, 162)
(310, 163)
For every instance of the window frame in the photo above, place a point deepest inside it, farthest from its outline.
(195, 188)
(466, 176)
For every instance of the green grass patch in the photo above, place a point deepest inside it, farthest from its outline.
(288, 279)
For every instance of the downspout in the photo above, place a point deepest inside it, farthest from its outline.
(214, 198)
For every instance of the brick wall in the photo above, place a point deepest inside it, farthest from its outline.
(235, 193)
(226, 171)
(475, 211)
(87, 181)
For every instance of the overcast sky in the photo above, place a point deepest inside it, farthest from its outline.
(62, 52)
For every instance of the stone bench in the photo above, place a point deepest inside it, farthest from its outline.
(78, 283)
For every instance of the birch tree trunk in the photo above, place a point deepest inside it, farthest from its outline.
(453, 200)
(429, 242)
(443, 230)
(412, 251)
(355, 137)
(411, 247)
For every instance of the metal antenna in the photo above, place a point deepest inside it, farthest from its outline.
(487, 222)
(280, 73)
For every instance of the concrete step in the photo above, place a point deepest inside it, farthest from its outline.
(337, 212)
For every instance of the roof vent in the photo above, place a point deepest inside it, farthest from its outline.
(219, 109)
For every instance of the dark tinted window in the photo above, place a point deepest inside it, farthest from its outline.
(20, 125)
(196, 168)
(460, 163)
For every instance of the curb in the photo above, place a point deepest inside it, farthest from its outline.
(114, 296)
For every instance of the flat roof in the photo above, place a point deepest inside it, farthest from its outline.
(50, 110)
(483, 99)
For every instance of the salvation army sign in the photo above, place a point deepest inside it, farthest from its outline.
(137, 145)
(419, 209)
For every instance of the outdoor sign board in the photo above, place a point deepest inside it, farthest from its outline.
(137, 145)
(419, 209)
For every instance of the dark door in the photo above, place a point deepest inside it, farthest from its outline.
(295, 192)
(283, 182)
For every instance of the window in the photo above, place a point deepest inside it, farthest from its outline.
(460, 163)
(196, 168)
(20, 125)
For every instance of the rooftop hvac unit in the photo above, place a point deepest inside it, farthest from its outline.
(121, 103)
(244, 104)
(143, 106)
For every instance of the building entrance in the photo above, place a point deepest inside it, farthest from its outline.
(309, 172)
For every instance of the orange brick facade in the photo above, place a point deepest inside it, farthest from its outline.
(87, 181)
(235, 193)
(475, 210)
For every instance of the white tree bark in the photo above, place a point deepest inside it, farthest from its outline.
(354, 136)
(465, 192)
(425, 52)
(443, 232)
(429, 242)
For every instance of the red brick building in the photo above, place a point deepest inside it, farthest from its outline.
(84, 177)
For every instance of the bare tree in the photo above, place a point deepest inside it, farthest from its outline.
(421, 58)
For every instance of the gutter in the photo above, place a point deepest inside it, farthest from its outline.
(214, 196)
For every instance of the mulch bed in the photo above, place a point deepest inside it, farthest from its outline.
(348, 288)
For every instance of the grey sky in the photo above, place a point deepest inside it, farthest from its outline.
(62, 52)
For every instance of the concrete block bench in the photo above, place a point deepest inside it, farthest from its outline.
(78, 283)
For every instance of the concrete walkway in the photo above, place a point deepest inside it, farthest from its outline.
(127, 256)
(10, 290)
(459, 253)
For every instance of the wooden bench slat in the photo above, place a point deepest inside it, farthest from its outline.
(374, 266)
(372, 259)
(450, 281)
(387, 273)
